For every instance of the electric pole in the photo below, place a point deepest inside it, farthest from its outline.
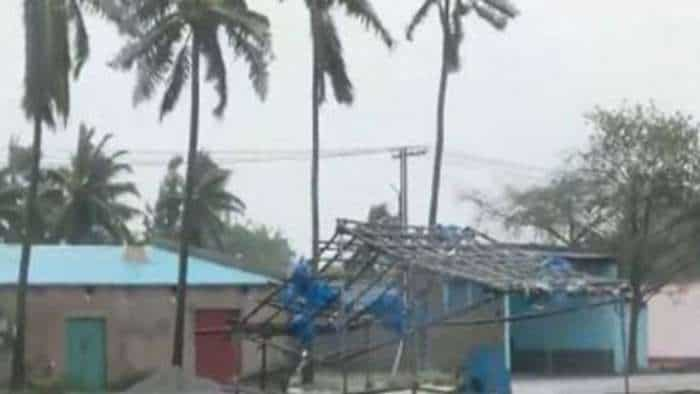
(403, 154)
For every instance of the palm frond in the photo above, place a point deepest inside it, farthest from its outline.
(119, 189)
(145, 43)
(216, 69)
(504, 6)
(178, 76)
(332, 63)
(36, 101)
(491, 15)
(254, 24)
(153, 66)
(97, 151)
(256, 57)
(363, 10)
(418, 18)
(60, 60)
(80, 42)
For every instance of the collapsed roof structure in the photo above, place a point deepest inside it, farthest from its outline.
(367, 275)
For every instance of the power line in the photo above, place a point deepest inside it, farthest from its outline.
(232, 157)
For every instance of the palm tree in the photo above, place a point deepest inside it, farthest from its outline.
(157, 28)
(89, 194)
(328, 61)
(211, 202)
(451, 12)
(48, 65)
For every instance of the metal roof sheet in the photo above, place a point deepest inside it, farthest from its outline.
(104, 265)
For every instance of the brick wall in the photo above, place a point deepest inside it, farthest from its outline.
(139, 324)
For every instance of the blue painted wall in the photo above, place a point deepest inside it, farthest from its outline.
(586, 329)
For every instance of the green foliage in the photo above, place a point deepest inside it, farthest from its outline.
(257, 246)
(10, 214)
(328, 46)
(88, 195)
(645, 166)
(212, 204)
(48, 56)
(161, 45)
(451, 12)
(562, 212)
(635, 191)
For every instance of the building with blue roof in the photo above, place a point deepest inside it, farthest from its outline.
(109, 265)
(102, 313)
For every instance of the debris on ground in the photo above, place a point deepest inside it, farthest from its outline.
(174, 380)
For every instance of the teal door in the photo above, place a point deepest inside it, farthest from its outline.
(85, 353)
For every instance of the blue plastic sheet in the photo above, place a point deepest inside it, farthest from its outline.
(305, 297)
(484, 371)
(390, 309)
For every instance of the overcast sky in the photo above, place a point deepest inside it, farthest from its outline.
(519, 97)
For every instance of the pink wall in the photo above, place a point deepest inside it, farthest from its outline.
(674, 322)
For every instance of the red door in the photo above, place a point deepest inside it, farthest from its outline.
(216, 356)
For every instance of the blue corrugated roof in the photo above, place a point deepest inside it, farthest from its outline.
(104, 265)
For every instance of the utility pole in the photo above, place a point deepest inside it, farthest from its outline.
(403, 154)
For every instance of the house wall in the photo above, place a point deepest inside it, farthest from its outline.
(674, 323)
(449, 346)
(596, 328)
(139, 325)
(446, 347)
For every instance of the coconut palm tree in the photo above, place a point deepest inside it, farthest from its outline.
(158, 28)
(48, 66)
(328, 62)
(89, 194)
(211, 203)
(451, 14)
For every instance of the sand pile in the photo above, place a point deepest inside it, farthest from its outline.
(174, 380)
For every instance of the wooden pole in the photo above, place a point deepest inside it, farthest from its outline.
(368, 378)
(263, 366)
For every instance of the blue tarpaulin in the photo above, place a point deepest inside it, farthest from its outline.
(485, 372)
(305, 297)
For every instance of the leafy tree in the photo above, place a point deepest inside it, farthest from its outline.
(635, 192)
(562, 212)
(646, 167)
(89, 195)
(10, 216)
(211, 206)
(259, 248)
(451, 14)
(168, 207)
(380, 214)
(328, 62)
(157, 28)
(48, 66)
(19, 162)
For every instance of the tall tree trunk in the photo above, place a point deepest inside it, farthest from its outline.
(440, 132)
(308, 370)
(186, 231)
(635, 308)
(18, 378)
